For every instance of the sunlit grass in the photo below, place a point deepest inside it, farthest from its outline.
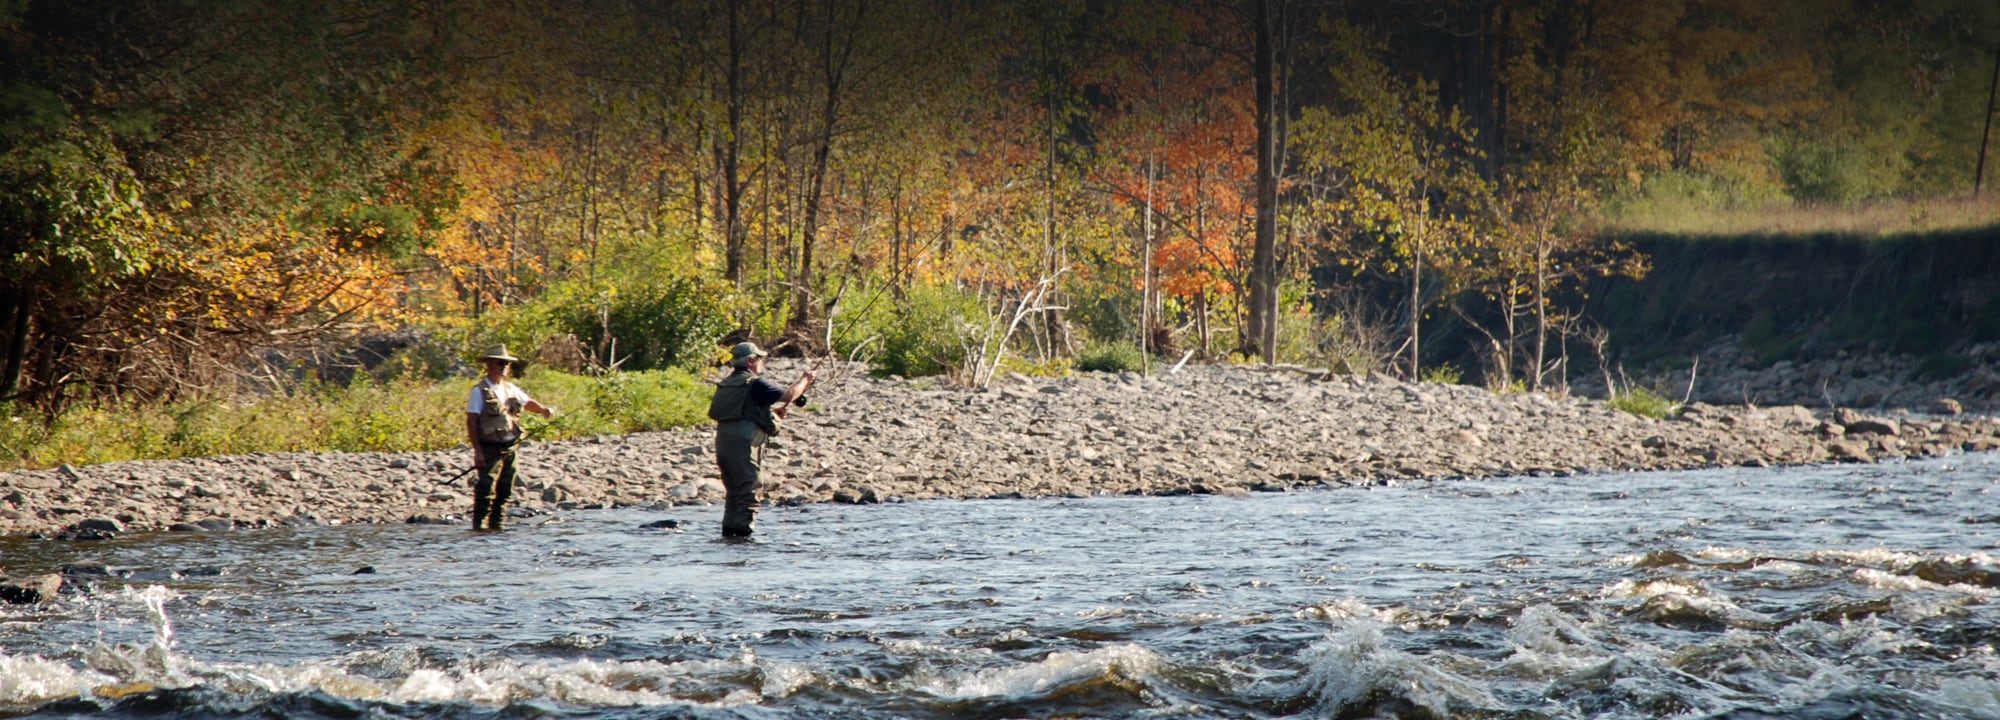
(398, 416)
(1644, 403)
(1879, 218)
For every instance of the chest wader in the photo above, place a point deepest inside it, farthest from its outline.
(499, 431)
(741, 427)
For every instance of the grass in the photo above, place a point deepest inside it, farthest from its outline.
(1644, 403)
(399, 416)
(1881, 218)
(1113, 356)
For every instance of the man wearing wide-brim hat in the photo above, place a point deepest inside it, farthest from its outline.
(493, 427)
(746, 410)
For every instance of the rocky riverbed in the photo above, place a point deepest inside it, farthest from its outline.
(1214, 429)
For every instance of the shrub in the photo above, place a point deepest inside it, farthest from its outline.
(920, 334)
(1445, 374)
(669, 322)
(1104, 356)
(1642, 402)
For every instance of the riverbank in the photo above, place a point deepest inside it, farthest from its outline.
(1215, 429)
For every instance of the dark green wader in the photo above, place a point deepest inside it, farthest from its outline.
(741, 425)
(736, 444)
(494, 486)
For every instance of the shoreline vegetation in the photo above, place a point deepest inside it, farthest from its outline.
(1688, 218)
(409, 414)
(1208, 429)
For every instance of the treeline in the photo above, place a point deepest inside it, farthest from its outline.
(196, 192)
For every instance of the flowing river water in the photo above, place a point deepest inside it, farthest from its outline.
(1822, 592)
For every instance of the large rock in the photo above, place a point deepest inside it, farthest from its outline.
(30, 590)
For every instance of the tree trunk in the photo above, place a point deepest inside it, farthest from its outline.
(1541, 307)
(833, 67)
(1416, 303)
(731, 150)
(16, 315)
(1262, 335)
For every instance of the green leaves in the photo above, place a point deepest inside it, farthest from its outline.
(71, 212)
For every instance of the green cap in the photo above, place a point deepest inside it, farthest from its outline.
(740, 355)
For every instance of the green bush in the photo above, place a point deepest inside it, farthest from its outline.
(1101, 356)
(669, 322)
(1105, 313)
(1643, 402)
(1823, 170)
(1445, 374)
(922, 333)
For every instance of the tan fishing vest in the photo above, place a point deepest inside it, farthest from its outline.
(732, 402)
(496, 425)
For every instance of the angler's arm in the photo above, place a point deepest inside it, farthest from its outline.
(538, 408)
(798, 388)
(472, 438)
(796, 392)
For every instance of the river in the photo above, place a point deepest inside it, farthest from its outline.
(1811, 592)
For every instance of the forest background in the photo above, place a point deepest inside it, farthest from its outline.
(249, 225)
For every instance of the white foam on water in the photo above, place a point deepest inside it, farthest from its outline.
(1355, 661)
(114, 670)
(1342, 609)
(1060, 669)
(1872, 557)
(26, 682)
(1724, 554)
(1893, 581)
(1549, 643)
(1628, 589)
(781, 679)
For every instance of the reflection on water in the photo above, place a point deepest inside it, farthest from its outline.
(1862, 591)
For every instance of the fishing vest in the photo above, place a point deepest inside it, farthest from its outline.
(732, 402)
(496, 425)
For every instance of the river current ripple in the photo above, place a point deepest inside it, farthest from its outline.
(1827, 592)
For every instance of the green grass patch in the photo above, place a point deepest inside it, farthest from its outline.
(1644, 403)
(1446, 374)
(366, 416)
(1705, 211)
(1103, 356)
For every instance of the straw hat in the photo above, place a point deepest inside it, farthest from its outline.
(499, 352)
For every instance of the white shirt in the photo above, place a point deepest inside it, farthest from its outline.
(505, 390)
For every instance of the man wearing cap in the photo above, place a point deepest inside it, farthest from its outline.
(493, 426)
(746, 410)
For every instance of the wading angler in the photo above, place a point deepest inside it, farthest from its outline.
(493, 428)
(746, 410)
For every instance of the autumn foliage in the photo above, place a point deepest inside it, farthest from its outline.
(200, 195)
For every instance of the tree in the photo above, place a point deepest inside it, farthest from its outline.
(1410, 193)
(181, 196)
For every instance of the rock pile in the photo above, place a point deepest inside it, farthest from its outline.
(1215, 429)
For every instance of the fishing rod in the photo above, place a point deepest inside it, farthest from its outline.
(526, 429)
